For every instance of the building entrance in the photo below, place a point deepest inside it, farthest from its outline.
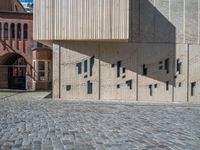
(14, 75)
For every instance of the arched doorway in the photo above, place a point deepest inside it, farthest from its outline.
(13, 70)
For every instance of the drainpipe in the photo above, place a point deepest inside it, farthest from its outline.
(188, 67)
(59, 69)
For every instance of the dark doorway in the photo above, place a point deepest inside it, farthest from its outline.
(13, 75)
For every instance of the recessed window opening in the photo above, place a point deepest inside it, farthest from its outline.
(193, 85)
(25, 31)
(6, 31)
(79, 66)
(12, 31)
(151, 90)
(167, 85)
(19, 31)
(144, 70)
(119, 64)
(167, 65)
(89, 87)
(85, 66)
(91, 65)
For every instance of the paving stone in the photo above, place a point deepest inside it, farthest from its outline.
(29, 122)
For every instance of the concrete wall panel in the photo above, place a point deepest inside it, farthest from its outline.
(72, 54)
(181, 76)
(153, 56)
(191, 21)
(194, 73)
(113, 86)
(177, 19)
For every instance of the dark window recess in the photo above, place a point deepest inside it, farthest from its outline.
(151, 90)
(124, 70)
(179, 65)
(119, 64)
(113, 65)
(85, 66)
(68, 87)
(6, 31)
(180, 84)
(144, 70)
(89, 87)
(155, 85)
(193, 85)
(160, 65)
(12, 26)
(118, 86)
(25, 31)
(19, 31)
(129, 84)
(78, 65)
(41, 65)
(91, 65)
(124, 76)
(85, 76)
(167, 65)
(167, 85)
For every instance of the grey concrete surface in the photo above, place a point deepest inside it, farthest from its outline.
(27, 121)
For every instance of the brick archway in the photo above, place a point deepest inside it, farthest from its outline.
(13, 71)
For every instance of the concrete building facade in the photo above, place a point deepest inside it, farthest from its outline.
(135, 50)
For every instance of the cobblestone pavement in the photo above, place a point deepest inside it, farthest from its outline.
(29, 122)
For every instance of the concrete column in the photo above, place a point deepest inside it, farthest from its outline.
(56, 71)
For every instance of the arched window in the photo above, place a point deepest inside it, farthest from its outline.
(19, 31)
(25, 31)
(0, 30)
(12, 26)
(5, 31)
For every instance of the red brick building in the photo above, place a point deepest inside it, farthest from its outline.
(18, 67)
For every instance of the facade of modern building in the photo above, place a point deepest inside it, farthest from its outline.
(16, 45)
(134, 50)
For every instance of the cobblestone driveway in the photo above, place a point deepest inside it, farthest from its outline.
(29, 122)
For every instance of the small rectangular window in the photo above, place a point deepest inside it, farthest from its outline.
(118, 86)
(85, 66)
(124, 70)
(179, 65)
(155, 85)
(41, 71)
(78, 65)
(179, 84)
(151, 90)
(167, 65)
(91, 65)
(119, 64)
(68, 87)
(129, 84)
(160, 65)
(167, 85)
(41, 65)
(89, 87)
(193, 85)
(113, 65)
(144, 70)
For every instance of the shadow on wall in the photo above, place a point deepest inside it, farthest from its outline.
(151, 51)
